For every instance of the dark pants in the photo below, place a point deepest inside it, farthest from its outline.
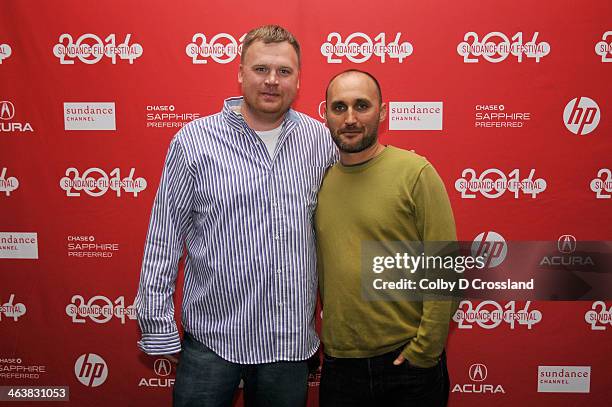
(207, 380)
(376, 381)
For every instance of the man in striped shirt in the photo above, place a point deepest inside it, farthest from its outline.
(238, 194)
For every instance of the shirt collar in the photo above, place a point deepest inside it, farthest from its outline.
(237, 121)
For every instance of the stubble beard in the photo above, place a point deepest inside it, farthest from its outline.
(366, 142)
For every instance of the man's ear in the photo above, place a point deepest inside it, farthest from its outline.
(325, 113)
(383, 112)
(240, 74)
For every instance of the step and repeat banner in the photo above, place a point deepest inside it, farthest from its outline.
(511, 102)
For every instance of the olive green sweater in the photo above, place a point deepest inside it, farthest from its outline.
(396, 196)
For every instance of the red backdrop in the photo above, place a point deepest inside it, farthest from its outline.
(91, 94)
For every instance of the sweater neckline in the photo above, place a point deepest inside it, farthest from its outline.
(364, 166)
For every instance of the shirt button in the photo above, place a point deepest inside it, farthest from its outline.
(276, 237)
(280, 304)
(279, 271)
(274, 204)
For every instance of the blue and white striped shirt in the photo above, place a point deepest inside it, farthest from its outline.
(246, 221)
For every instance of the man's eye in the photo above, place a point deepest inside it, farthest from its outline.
(260, 69)
(285, 72)
(362, 106)
(339, 108)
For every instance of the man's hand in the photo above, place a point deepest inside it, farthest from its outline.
(400, 359)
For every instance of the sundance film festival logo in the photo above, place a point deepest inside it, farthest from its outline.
(89, 116)
(599, 316)
(564, 379)
(491, 314)
(162, 368)
(581, 115)
(359, 48)
(493, 183)
(602, 186)
(5, 52)
(7, 185)
(7, 125)
(603, 48)
(478, 374)
(13, 310)
(222, 48)
(495, 47)
(18, 245)
(496, 116)
(96, 182)
(91, 370)
(492, 246)
(99, 309)
(415, 115)
(90, 49)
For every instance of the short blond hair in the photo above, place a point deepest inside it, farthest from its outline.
(269, 34)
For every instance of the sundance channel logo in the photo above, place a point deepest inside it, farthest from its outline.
(415, 115)
(89, 116)
(564, 379)
(18, 245)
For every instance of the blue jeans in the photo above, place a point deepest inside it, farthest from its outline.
(207, 380)
(376, 381)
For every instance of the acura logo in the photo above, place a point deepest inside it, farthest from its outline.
(7, 110)
(162, 367)
(478, 372)
(566, 244)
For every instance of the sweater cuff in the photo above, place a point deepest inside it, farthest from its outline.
(418, 359)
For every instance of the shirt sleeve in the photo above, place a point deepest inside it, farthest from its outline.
(329, 147)
(170, 221)
(435, 223)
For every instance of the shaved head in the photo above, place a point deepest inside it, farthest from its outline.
(354, 72)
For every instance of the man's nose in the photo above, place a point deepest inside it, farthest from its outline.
(271, 78)
(351, 118)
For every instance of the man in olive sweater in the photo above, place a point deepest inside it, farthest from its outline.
(377, 353)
